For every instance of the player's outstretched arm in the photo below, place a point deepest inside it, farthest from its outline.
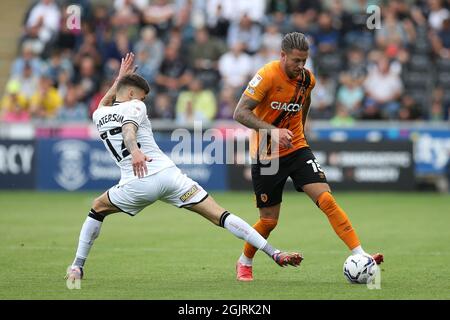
(126, 67)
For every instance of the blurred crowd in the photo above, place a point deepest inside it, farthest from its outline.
(198, 56)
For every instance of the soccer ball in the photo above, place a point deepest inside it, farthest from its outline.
(360, 268)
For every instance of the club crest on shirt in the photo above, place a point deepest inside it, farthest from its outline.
(264, 197)
(189, 194)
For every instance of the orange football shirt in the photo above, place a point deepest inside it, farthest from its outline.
(280, 103)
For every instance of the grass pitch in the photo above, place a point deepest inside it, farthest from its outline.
(170, 253)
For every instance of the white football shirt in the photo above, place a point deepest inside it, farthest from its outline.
(109, 122)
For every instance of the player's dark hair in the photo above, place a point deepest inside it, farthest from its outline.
(294, 40)
(133, 80)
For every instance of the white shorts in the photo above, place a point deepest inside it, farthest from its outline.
(169, 185)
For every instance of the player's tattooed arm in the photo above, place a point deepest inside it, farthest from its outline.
(138, 158)
(129, 137)
(306, 109)
(126, 67)
(244, 115)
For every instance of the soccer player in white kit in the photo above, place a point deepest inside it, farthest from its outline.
(147, 174)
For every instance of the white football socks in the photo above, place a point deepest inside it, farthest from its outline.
(246, 261)
(89, 232)
(244, 231)
(358, 250)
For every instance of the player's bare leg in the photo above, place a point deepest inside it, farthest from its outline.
(101, 207)
(320, 193)
(241, 229)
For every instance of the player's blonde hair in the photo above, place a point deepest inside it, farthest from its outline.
(294, 40)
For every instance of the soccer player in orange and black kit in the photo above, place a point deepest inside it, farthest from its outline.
(276, 103)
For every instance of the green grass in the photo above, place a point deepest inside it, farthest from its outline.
(170, 253)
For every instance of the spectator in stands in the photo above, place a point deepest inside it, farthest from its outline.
(28, 81)
(341, 19)
(323, 97)
(262, 57)
(153, 47)
(176, 40)
(98, 96)
(126, 16)
(437, 109)
(342, 117)
(282, 20)
(14, 105)
(326, 37)
(275, 6)
(441, 40)
(174, 73)
(350, 96)
(217, 23)
(57, 64)
(114, 50)
(163, 107)
(370, 110)
(235, 67)
(409, 109)
(196, 104)
(43, 22)
(355, 65)
(384, 86)
(72, 109)
(247, 32)
(69, 36)
(188, 18)
(139, 4)
(232, 9)
(46, 101)
(182, 26)
(27, 57)
(437, 14)
(227, 103)
(309, 7)
(87, 79)
(160, 14)
(63, 83)
(358, 34)
(393, 33)
(204, 54)
(271, 40)
(89, 47)
(101, 22)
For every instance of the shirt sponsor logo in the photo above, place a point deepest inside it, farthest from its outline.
(250, 90)
(284, 106)
(255, 81)
(189, 194)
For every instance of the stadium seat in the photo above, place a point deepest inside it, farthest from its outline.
(422, 97)
(443, 64)
(419, 62)
(443, 79)
(330, 62)
(417, 79)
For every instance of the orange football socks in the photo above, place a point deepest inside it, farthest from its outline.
(264, 227)
(338, 220)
